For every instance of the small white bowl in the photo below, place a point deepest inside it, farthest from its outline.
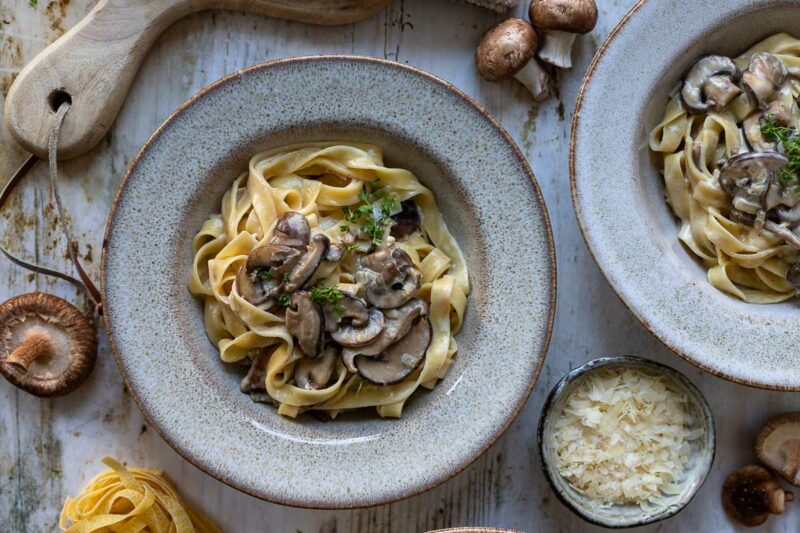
(619, 516)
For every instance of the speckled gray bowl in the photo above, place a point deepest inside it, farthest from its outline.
(620, 516)
(156, 326)
(619, 194)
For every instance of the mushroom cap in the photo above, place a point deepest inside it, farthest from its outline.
(573, 16)
(70, 338)
(695, 85)
(505, 48)
(778, 445)
(400, 359)
(305, 321)
(751, 494)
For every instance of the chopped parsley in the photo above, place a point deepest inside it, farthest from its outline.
(328, 295)
(33, 3)
(788, 174)
(373, 216)
(265, 275)
(285, 299)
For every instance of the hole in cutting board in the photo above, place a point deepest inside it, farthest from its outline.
(58, 97)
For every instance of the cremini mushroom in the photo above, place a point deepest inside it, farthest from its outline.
(291, 229)
(314, 374)
(562, 21)
(398, 322)
(398, 360)
(349, 308)
(304, 320)
(47, 346)
(308, 263)
(778, 446)
(751, 494)
(255, 382)
(711, 83)
(407, 221)
(262, 274)
(507, 50)
(764, 74)
(396, 281)
(747, 176)
(350, 335)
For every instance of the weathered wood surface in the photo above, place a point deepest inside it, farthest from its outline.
(50, 448)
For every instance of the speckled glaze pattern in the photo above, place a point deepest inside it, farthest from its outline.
(490, 200)
(618, 192)
(700, 461)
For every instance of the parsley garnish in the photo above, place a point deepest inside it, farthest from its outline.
(788, 174)
(33, 3)
(265, 275)
(285, 299)
(373, 216)
(328, 295)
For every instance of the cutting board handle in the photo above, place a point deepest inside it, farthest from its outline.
(93, 64)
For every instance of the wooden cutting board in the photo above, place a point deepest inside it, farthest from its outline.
(93, 65)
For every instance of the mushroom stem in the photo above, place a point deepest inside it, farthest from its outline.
(557, 48)
(535, 79)
(32, 348)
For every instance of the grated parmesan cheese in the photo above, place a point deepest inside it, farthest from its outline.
(624, 437)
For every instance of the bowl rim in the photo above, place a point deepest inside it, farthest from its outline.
(661, 336)
(489, 440)
(630, 361)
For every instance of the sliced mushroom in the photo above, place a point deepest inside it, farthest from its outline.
(308, 263)
(698, 81)
(751, 494)
(397, 279)
(47, 346)
(348, 334)
(763, 76)
(783, 232)
(315, 374)
(507, 50)
(304, 320)
(291, 229)
(778, 446)
(350, 308)
(407, 221)
(398, 322)
(746, 177)
(398, 360)
(781, 113)
(754, 135)
(562, 21)
(255, 382)
(261, 276)
(334, 253)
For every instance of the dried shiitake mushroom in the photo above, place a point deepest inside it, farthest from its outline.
(47, 346)
(751, 494)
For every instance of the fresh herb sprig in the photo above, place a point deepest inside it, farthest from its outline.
(328, 295)
(788, 174)
(370, 220)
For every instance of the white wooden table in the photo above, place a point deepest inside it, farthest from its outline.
(50, 448)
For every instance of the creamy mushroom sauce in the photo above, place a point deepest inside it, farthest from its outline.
(730, 151)
(334, 278)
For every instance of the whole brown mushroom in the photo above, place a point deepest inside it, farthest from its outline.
(562, 21)
(751, 494)
(47, 346)
(507, 50)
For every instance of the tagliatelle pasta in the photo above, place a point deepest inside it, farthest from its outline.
(130, 500)
(745, 235)
(331, 185)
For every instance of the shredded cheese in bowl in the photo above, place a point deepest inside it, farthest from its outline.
(624, 436)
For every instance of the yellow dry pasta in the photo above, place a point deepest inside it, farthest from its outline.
(322, 181)
(742, 260)
(131, 500)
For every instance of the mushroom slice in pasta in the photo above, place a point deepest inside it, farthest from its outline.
(397, 279)
(400, 359)
(314, 374)
(304, 320)
(398, 323)
(350, 335)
